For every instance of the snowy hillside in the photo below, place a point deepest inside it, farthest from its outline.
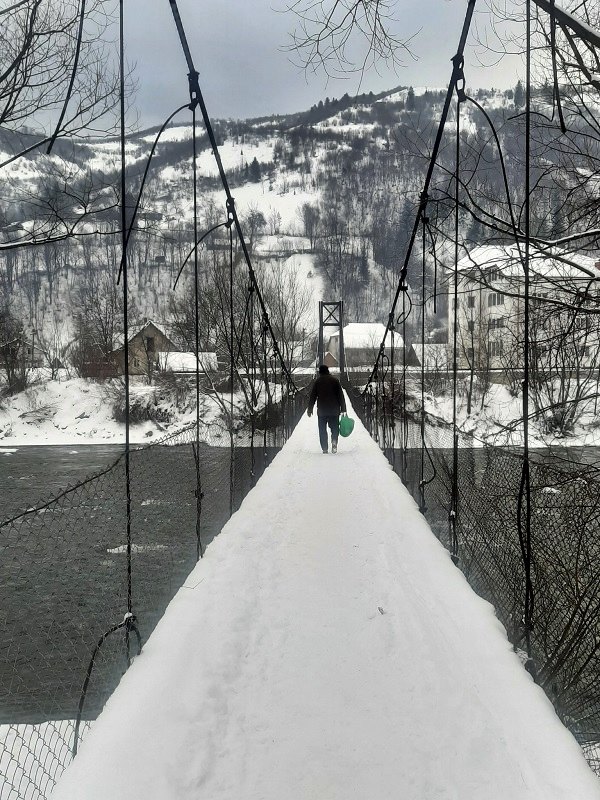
(327, 201)
(290, 177)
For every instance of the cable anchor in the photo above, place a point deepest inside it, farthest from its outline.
(459, 61)
(230, 207)
(193, 78)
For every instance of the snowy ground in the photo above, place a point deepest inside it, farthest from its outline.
(327, 648)
(80, 411)
(498, 421)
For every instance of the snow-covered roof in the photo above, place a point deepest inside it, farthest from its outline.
(139, 328)
(186, 362)
(119, 339)
(362, 334)
(551, 264)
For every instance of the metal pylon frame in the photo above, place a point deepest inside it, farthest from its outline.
(331, 315)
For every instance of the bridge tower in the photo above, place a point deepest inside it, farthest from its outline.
(331, 315)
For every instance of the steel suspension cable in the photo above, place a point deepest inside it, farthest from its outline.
(556, 86)
(422, 507)
(385, 402)
(72, 79)
(194, 249)
(404, 416)
(457, 62)
(231, 376)
(198, 99)
(199, 548)
(253, 397)
(513, 221)
(264, 330)
(125, 319)
(453, 515)
(393, 392)
(524, 503)
(145, 177)
(523, 249)
(424, 449)
(129, 624)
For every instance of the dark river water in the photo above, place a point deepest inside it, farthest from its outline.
(63, 566)
(30, 474)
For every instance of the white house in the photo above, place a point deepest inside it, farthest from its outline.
(362, 341)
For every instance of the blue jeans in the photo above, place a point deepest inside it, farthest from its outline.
(333, 420)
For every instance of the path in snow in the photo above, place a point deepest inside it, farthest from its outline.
(327, 649)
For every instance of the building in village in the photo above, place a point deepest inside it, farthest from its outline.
(432, 357)
(152, 350)
(361, 343)
(145, 343)
(491, 286)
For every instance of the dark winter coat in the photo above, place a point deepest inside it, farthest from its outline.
(327, 393)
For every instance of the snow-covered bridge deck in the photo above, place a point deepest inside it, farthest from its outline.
(326, 648)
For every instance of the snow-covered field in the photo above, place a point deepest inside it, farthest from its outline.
(498, 421)
(326, 647)
(80, 411)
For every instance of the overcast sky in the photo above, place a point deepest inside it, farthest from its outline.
(238, 48)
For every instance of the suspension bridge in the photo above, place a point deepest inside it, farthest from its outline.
(327, 646)
(328, 643)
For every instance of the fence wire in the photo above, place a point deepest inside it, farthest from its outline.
(565, 533)
(63, 573)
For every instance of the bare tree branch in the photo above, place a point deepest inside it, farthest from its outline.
(342, 37)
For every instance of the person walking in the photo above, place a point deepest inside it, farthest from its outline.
(327, 393)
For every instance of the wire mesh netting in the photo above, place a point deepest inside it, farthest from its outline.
(64, 567)
(565, 545)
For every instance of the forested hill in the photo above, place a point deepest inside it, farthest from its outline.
(340, 181)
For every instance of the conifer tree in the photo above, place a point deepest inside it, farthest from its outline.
(254, 173)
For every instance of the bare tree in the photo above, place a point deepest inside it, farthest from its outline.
(13, 351)
(254, 222)
(346, 36)
(309, 215)
(289, 301)
(274, 220)
(565, 343)
(66, 202)
(98, 324)
(56, 66)
(52, 343)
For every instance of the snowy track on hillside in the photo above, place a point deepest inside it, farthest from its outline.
(326, 648)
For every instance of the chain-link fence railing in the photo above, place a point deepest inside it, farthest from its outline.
(66, 566)
(480, 485)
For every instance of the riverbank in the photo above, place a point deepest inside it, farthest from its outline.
(497, 420)
(69, 411)
(75, 411)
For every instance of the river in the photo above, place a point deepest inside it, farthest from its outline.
(63, 567)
